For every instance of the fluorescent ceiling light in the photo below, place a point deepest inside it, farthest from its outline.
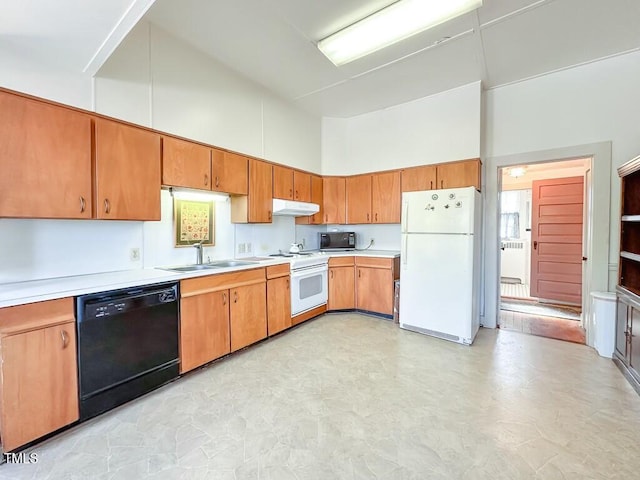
(396, 22)
(516, 172)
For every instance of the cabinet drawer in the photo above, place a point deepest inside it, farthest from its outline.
(374, 262)
(221, 281)
(31, 316)
(341, 262)
(276, 271)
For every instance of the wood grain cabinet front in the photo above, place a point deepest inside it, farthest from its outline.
(375, 283)
(334, 200)
(185, 164)
(38, 382)
(230, 172)
(220, 314)
(256, 207)
(358, 198)
(465, 173)
(386, 197)
(127, 169)
(342, 293)
(45, 160)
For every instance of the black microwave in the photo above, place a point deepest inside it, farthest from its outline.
(337, 241)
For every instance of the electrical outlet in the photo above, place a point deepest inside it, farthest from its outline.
(248, 249)
(134, 254)
(241, 248)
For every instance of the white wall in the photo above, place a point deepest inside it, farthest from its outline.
(24, 70)
(439, 128)
(386, 237)
(157, 80)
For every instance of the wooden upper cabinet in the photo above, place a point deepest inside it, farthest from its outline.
(358, 190)
(465, 173)
(127, 172)
(317, 197)
(386, 197)
(185, 164)
(301, 186)
(256, 207)
(282, 182)
(45, 160)
(334, 200)
(417, 179)
(230, 172)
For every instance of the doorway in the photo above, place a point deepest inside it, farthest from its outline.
(543, 220)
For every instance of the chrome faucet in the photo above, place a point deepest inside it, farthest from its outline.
(198, 247)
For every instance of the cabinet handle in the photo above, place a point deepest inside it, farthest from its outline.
(287, 284)
(82, 204)
(376, 217)
(107, 205)
(331, 273)
(269, 215)
(65, 339)
(297, 195)
(431, 184)
(367, 217)
(224, 298)
(441, 183)
(359, 272)
(206, 180)
(235, 297)
(217, 181)
(291, 192)
(326, 218)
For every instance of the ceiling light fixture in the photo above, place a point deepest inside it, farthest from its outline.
(396, 22)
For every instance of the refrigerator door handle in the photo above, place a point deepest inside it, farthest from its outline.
(405, 215)
(403, 254)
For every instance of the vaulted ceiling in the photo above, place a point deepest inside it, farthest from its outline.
(273, 42)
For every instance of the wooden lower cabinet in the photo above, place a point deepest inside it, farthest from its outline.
(278, 304)
(248, 318)
(342, 293)
(220, 314)
(39, 377)
(204, 329)
(375, 282)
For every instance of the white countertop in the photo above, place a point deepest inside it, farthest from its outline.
(20, 293)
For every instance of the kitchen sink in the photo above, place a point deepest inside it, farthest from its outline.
(190, 268)
(231, 263)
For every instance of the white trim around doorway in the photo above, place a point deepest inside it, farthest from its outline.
(598, 256)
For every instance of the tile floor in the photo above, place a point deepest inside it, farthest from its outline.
(354, 397)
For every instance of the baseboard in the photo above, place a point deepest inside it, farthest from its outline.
(304, 316)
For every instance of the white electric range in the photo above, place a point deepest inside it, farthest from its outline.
(309, 280)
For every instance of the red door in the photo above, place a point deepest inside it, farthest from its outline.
(556, 240)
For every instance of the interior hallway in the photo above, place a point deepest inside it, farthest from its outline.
(347, 396)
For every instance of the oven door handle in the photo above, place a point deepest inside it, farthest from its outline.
(306, 272)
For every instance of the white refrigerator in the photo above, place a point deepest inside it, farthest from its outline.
(440, 263)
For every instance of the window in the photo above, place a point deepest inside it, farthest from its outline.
(510, 205)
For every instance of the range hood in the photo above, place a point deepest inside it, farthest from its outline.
(294, 209)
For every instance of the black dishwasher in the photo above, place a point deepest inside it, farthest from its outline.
(127, 344)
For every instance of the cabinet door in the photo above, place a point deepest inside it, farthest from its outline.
(260, 192)
(204, 329)
(621, 330)
(634, 354)
(230, 172)
(301, 186)
(358, 199)
(374, 290)
(419, 178)
(317, 197)
(185, 164)
(282, 182)
(386, 197)
(39, 383)
(45, 160)
(459, 174)
(278, 304)
(248, 315)
(334, 200)
(342, 293)
(127, 172)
